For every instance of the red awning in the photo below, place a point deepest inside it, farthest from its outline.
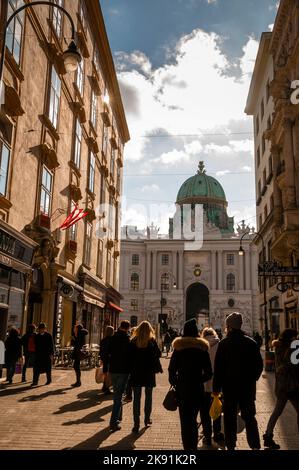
(116, 307)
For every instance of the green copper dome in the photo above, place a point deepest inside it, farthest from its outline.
(201, 188)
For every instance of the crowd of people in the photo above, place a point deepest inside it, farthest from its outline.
(202, 367)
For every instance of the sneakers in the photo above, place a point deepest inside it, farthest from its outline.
(269, 442)
(48, 382)
(135, 429)
(148, 422)
(76, 384)
(115, 427)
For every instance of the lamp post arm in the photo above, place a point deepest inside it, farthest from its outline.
(15, 13)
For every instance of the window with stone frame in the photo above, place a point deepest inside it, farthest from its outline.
(230, 282)
(135, 281)
(78, 142)
(112, 162)
(82, 15)
(94, 109)
(262, 109)
(165, 259)
(57, 17)
(54, 99)
(133, 321)
(100, 259)
(4, 166)
(105, 140)
(103, 190)
(80, 77)
(108, 267)
(118, 176)
(230, 259)
(91, 173)
(87, 243)
(46, 191)
(15, 30)
(134, 305)
(165, 281)
(258, 157)
(135, 259)
(257, 124)
(73, 228)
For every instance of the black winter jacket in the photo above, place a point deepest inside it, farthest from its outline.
(145, 364)
(44, 349)
(238, 365)
(190, 366)
(119, 353)
(13, 349)
(78, 342)
(104, 352)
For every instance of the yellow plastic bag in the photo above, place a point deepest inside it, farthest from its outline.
(216, 407)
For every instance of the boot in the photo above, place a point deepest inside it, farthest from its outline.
(78, 381)
(269, 442)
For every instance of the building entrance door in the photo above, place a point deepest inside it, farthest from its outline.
(197, 302)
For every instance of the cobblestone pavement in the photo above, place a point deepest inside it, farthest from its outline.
(58, 416)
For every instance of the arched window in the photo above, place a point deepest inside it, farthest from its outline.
(135, 281)
(230, 282)
(165, 281)
(133, 320)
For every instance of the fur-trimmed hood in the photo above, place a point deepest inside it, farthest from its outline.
(188, 342)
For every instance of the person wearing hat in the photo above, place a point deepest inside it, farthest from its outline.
(238, 366)
(189, 368)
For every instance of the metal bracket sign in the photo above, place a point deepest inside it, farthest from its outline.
(274, 269)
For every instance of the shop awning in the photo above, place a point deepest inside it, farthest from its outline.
(92, 301)
(116, 307)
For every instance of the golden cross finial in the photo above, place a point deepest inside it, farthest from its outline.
(201, 168)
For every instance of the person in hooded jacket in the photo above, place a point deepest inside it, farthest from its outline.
(238, 366)
(189, 368)
(210, 335)
(78, 341)
(286, 375)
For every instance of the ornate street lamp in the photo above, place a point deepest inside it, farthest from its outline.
(71, 56)
(241, 253)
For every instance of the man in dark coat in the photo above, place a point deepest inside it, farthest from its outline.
(44, 354)
(189, 368)
(29, 349)
(13, 352)
(238, 366)
(119, 366)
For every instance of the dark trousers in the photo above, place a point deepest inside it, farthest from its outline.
(40, 369)
(77, 369)
(246, 404)
(278, 409)
(189, 410)
(147, 404)
(29, 362)
(206, 420)
(10, 370)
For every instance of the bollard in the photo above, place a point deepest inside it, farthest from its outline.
(269, 361)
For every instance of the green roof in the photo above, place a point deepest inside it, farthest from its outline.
(201, 186)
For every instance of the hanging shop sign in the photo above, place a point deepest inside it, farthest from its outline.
(66, 290)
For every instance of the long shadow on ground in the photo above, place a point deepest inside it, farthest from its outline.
(94, 417)
(93, 443)
(85, 400)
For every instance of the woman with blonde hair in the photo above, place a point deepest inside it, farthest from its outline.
(145, 364)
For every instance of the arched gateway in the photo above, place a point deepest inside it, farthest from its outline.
(197, 303)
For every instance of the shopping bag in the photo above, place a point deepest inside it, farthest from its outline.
(216, 407)
(107, 379)
(18, 368)
(99, 375)
(170, 402)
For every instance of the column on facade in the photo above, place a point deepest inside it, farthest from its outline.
(148, 270)
(181, 270)
(288, 155)
(296, 157)
(241, 272)
(247, 270)
(174, 268)
(275, 152)
(214, 270)
(154, 272)
(220, 270)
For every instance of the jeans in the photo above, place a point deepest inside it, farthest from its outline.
(206, 420)
(246, 405)
(119, 383)
(147, 405)
(278, 409)
(10, 370)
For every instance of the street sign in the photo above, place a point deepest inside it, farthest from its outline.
(278, 271)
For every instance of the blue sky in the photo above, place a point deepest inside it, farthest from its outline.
(184, 68)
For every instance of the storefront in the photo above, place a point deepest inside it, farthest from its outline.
(16, 254)
(112, 309)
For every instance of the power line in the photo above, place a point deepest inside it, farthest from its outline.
(188, 174)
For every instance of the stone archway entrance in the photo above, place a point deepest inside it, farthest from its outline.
(197, 302)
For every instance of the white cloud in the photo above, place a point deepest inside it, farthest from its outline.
(194, 147)
(173, 157)
(247, 168)
(271, 26)
(222, 172)
(153, 188)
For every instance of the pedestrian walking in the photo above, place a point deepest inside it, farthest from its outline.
(286, 383)
(189, 368)
(167, 343)
(13, 352)
(258, 339)
(210, 335)
(238, 366)
(78, 341)
(119, 366)
(129, 389)
(28, 341)
(144, 366)
(103, 353)
(44, 354)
